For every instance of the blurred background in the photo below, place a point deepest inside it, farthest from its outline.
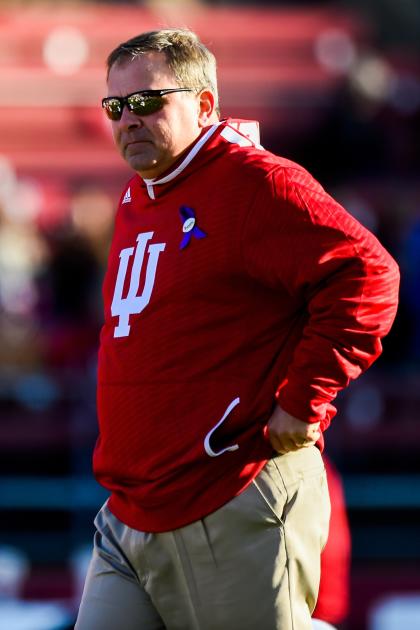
(336, 87)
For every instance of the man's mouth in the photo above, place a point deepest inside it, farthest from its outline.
(132, 142)
(135, 144)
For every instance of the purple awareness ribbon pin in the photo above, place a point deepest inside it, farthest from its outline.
(189, 226)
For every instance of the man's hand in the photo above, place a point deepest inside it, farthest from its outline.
(287, 433)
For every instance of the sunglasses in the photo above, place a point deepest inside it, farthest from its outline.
(140, 103)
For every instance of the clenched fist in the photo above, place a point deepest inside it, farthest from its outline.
(288, 433)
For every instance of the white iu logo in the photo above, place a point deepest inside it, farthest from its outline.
(133, 304)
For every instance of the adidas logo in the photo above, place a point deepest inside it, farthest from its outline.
(127, 196)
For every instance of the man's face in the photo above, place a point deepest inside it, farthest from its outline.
(151, 144)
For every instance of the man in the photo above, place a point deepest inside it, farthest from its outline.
(239, 299)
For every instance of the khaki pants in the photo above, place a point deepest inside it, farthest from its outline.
(254, 564)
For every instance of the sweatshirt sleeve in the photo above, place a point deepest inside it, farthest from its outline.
(298, 238)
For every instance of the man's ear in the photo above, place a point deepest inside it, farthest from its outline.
(207, 108)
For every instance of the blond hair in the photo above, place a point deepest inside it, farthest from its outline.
(192, 64)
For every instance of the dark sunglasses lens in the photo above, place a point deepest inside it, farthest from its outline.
(145, 105)
(113, 108)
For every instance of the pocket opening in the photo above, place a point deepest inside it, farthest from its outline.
(233, 447)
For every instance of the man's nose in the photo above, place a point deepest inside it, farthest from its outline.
(129, 120)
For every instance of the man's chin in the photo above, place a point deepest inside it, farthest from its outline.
(145, 168)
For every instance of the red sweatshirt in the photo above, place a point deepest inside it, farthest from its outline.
(233, 281)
